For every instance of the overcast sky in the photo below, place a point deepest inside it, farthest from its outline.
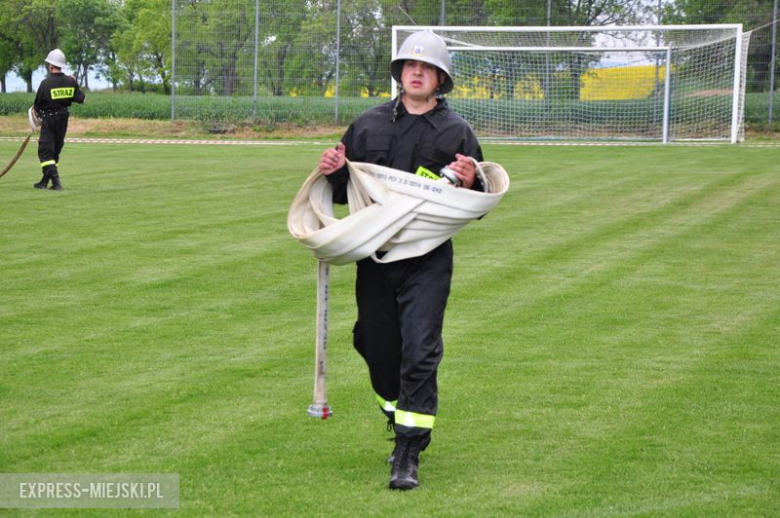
(14, 84)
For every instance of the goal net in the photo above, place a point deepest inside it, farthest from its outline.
(661, 83)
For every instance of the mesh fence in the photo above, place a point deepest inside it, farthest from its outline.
(325, 61)
(596, 82)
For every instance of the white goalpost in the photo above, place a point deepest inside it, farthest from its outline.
(660, 83)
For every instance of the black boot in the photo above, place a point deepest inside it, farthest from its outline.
(403, 475)
(43, 183)
(55, 180)
(426, 440)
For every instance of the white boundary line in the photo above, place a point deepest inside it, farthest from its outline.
(86, 140)
(634, 144)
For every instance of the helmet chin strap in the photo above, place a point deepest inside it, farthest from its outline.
(435, 95)
(397, 103)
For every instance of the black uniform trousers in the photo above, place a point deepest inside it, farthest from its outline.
(54, 126)
(399, 330)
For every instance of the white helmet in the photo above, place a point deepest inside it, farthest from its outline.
(56, 58)
(429, 48)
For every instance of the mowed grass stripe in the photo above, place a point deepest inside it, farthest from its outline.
(621, 307)
(200, 377)
(609, 339)
(157, 279)
(584, 254)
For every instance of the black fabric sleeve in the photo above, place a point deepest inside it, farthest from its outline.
(338, 182)
(39, 97)
(79, 96)
(472, 148)
(338, 179)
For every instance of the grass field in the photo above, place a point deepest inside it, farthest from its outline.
(611, 338)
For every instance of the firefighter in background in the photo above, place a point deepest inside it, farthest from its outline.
(54, 96)
(401, 304)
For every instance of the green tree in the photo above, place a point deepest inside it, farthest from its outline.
(313, 61)
(87, 26)
(281, 27)
(109, 65)
(366, 41)
(505, 72)
(470, 12)
(703, 11)
(153, 40)
(230, 29)
(561, 12)
(751, 13)
(7, 58)
(214, 44)
(33, 29)
(142, 43)
(126, 69)
(9, 43)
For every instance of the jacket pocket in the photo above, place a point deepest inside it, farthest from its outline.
(432, 157)
(378, 149)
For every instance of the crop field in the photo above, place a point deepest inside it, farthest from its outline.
(270, 111)
(611, 341)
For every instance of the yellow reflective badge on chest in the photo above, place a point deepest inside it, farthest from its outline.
(426, 173)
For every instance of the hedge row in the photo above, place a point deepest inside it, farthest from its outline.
(313, 110)
(267, 110)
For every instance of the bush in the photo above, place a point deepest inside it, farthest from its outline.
(269, 110)
(302, 110)
(100, 105)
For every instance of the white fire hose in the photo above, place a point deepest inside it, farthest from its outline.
(401, 214)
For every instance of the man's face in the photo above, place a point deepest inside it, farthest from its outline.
(419, 79)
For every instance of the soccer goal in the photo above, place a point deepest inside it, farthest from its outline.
(663, 83)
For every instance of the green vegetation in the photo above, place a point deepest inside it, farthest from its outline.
(611, 338)
(209, 108)
(130, 43)
(291, 48)
(315, 110)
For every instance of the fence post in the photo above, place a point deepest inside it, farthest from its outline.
(257, 40)
(547, 62)
(772, 67)
(338, 56)
(173, 60)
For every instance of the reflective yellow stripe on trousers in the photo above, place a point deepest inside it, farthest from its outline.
(48, 162)
(414, 420)
(387, 406)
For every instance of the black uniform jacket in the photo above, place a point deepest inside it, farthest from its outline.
(56, 93)
(406, 141)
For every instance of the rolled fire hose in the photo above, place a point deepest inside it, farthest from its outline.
(392, 211)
